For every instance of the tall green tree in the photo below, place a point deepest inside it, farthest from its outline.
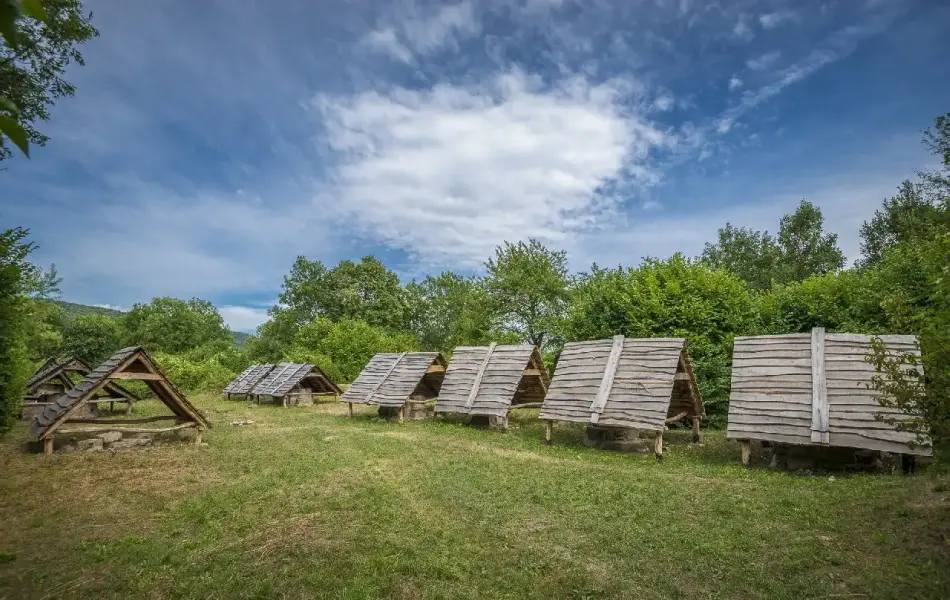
(752, 255)
(937, 140)
(804, 247)
(450, 310)
(33, 63)
(908, 215)
(528, 286)
(91, 338)
(173, 325)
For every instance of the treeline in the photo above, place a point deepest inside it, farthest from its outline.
(747, 282)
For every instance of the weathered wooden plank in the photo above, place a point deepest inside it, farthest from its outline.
(819, 418)
(603, 392)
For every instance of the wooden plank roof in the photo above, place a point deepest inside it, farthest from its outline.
(245, 382)
(51, 370)
(391, 377)
(795, 389)
(286, 375)
(486, 380)
(130, 362)
(623, 382)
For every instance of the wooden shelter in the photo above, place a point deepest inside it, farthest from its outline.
(245, 382)
(813, 389)
(132, 363)
(53, 379)
(296, 384)
(488, 381)
(399, 383)
(624, 384)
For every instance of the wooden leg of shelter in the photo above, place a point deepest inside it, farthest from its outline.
(548, 431)
(402, 413)
(112, 407)
(128, 408)
(908, 463)
(745, 446)
(350, 406)
(198, 433)
(48, 446)
(658, 446)
(695, 430)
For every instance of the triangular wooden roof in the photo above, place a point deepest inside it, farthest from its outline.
(51, 370)
(487, 380)
(245, 382)
(391, 377)
(623, 382)
(812, 389)
(129, 363)
(285, 376)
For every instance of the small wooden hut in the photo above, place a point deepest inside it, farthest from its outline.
(488, 381)
(623, 386)
(132, 363)
(54, 379)
(245, 382)
(813, 389)
(296, 384)
(399, 383)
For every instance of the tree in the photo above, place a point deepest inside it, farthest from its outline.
(937, 139)
(528, 287)
(33, 62)
(908, 215)
(450, 310)
(91, 338)
(173, 325)
(750, 254)
(676, 297)
(804, 248)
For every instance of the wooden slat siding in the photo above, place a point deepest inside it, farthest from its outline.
(401, 382)
(286, 376)
(641, 391)
(852, 405)
(275, 379)
(477, 382)
(501, 383)
(819, 388)
(42, 373)
(56, 412)
(246, 381)
(777, 405)
(771, 395)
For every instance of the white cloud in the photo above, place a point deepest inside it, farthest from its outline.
(243, 318)
(449, 173)
(764, 61)
(664, 103)
(113, 307)
(423, 34)
(741, 30)
(734, 83)
(774, 19)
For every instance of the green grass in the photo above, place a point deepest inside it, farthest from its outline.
(308, 503)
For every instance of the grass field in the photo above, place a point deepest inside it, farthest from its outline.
(307, 503)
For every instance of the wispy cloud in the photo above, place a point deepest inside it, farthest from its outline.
(419, 32)
(734, 83)
(763, 61)
(774, 19)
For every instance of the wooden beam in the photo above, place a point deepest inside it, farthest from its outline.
(696, 421)
(128, 429)
(478, 377)
(526, 405)
(745, 447)
(819, 389)
(658, 446)
(124, 421)
(350, 405)
(548, 431)
(436, 369)
(48, 446)
(133, 375)
(681, 377)
(678, 417)
(530, 372)
(607, 382)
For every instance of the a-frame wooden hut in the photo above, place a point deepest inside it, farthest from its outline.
(488, 381)
(296, 384)
(399, 383)
(132, 363)
(813, 389)
(624, 384)
(245, 382)
(54, 379)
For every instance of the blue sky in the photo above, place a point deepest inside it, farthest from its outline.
(210, 143)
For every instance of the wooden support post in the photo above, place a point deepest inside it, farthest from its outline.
(548, 431)
(128, 408)
(112, 407)
(658, 446)
(745, 446)
(908, 463)
(198, 436)
(696, 420)
(350, 405)
(48, 446)
(402, 413)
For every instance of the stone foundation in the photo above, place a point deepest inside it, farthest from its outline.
(414, 411)
(116, 440)
(620, 439)
(489, 422)
(796, 458)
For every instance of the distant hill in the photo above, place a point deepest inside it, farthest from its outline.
(74, 310)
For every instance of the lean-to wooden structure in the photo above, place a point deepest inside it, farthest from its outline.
(132, 363)
(490, 380)
(629, 383)
(813, 389)
(295, 384)
(245, 382)
(53, 379)
(394, 381)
